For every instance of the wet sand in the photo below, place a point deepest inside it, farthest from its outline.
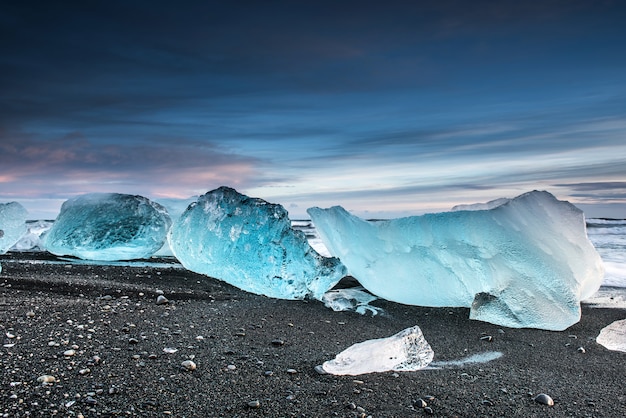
(109, 316)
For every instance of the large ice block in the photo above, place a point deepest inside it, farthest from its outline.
(250, 244)
(108, 227)
(525, 262)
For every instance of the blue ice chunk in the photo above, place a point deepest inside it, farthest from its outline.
(250, 244)
(523, 262)
(108, 227)
(12, 225)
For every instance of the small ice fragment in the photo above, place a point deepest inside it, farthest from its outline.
(407, 350)
(613, 336)
(350, 299)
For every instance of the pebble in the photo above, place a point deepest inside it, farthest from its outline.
(254, 404)
(320, 369)
(162, 300)
(292, 371)
(30, 314)
(69, 353)
(420, 403)
(544, 399)
(46, 378)
(582, 350)
(268, 373)
(133, 341)
(278, 342)
(486, 338)
(188, 365)
(231, 367)
(169, 350)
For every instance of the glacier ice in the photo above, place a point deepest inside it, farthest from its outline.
(405, 351)
(108, 227)
(250, 244)
(613, 336)
(12, 224)
(525, 262)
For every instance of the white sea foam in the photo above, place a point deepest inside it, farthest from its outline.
(608, 236)
(485, 357)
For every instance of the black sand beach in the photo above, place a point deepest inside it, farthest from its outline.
(250, 349)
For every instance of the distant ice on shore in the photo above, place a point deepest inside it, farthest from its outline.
(12, 225)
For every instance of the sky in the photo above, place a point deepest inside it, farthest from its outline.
(387, 108)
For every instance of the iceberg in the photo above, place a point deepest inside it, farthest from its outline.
(405, 351)
(523, 263)
(108, 227)
(250, 244)
(12, 225)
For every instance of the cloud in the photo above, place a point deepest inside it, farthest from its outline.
(74, 164)
(596, 186)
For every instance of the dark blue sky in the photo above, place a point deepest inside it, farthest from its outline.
(389, 107)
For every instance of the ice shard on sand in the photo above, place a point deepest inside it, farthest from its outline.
(523, 262)
(405, 351)
(108, 227)
(250, 244)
